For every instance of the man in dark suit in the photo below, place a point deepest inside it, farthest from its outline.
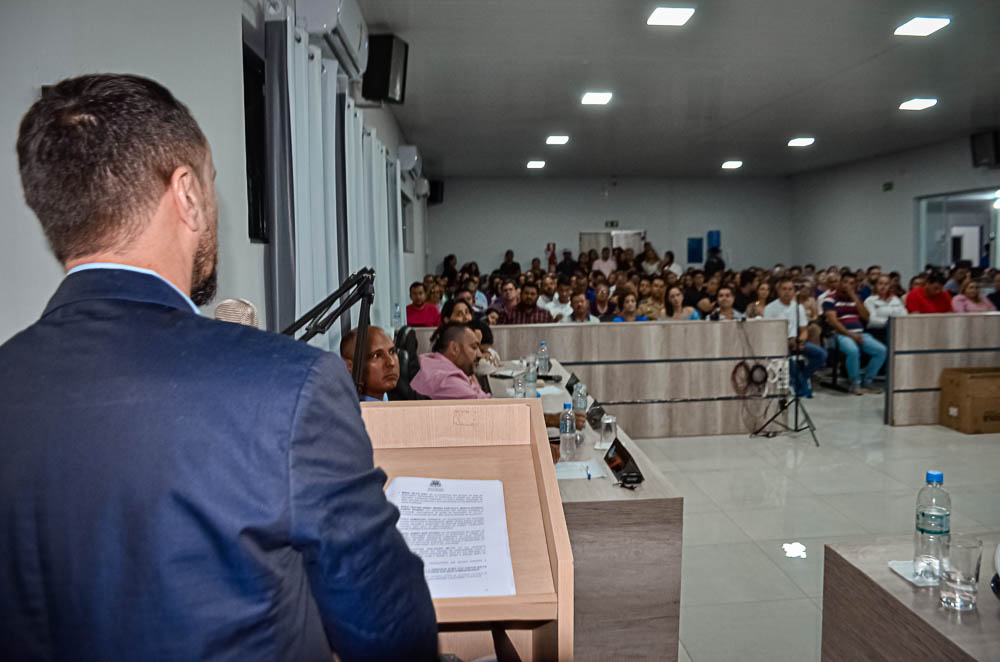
(172, 487)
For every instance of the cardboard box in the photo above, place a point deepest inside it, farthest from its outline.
(970, 399)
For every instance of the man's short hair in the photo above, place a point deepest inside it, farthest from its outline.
(646, 278)
(784, 279)
(563, 281)
(415, 284)
(724, 287)
(747, 276)
(937, 277)
(447, 334)
(350, 339)
(96, 154)
(508, 280)
(529, 284)
(874, 266)
(659, 277)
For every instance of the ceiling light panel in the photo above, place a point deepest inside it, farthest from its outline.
(732, 165)
(921, 26)
(670, 16)
(596, 98)
(557, 140)
(917, 104)
(536, 165)
(801, 142)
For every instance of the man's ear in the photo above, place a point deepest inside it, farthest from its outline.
(350, 365)
(186, 191)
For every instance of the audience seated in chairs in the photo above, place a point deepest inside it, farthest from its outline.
(420, 312)
(846, 315)
(724, 306)
(675, 309)
(813, 356)
(970, 300)
(930, 297)
(526, 311)
(581, 311)
(627, 308)
(882, 305)
(381, 369)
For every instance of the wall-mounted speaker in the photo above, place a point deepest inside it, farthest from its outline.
(985, 149)
(436, 196)
(385, 77)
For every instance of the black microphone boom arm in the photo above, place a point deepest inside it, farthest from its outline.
(357, 287)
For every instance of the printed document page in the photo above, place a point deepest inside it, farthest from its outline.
(459, 529)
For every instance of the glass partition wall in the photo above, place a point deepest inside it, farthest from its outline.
(958, 226)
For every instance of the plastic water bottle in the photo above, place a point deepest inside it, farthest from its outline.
(930, 540)
(531, 380)
(397, 317)
(544, 364)
(567, 433)
(580, 398)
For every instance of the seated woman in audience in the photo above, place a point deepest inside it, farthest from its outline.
(895, 286)
(724, 306)
(675, 309)
(602, 307)
(492, 316)
(627, 312)
(882, 305)
(763, 297)
(456, 310)
(970, 300)
(435, 294)
(650, 263)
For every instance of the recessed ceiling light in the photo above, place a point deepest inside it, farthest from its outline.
(921, 26)
(732, 165)
(536, 165)
(801, 142)
(670, 16)
(557, 140)
(917, 104)
(596, 98)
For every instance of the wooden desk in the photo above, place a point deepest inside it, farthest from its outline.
(921, 346)
(667, 379)
(626, 552)
(870, 613)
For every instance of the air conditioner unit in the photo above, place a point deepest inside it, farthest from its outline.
(409, 160)
(339, 25)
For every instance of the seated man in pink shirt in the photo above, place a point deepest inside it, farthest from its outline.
(448, 372)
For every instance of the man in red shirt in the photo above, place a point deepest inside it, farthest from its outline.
(931, 298)
(421, 313)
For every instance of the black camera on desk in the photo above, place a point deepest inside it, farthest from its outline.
(623, 466)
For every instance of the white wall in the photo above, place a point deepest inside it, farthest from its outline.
(842, 216)
(480, 218)
(192, 47)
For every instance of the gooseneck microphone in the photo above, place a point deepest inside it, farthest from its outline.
(238, 311)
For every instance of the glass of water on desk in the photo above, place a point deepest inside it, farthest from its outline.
(960, 573)
(609, 430)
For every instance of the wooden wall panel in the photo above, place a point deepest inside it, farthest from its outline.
(921, 346)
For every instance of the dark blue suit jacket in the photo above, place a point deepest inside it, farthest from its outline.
(176, 488)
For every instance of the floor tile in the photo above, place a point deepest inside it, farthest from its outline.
(700, 453)
(682, 655)
(892, 512)
(719, 574)
(850, 476)
(753, 632)
(807, 573)
(806, 517)
(763, 487)
(980, 502)
(711, 529)
(695, 501)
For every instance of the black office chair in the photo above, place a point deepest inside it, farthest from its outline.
(409, 365)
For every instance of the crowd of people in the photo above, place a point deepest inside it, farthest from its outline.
(838, 308)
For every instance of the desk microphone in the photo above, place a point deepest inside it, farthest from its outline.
(238, 311)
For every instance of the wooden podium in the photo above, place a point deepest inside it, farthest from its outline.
(501, 440)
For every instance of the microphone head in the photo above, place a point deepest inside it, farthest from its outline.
(239, 311)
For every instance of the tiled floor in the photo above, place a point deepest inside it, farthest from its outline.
(742, 598)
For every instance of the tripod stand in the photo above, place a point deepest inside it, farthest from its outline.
(795, 403)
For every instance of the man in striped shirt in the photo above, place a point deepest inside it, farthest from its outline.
(847, 316)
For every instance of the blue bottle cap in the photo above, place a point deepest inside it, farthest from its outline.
(567, 405)
(935, 477)
(543, 342)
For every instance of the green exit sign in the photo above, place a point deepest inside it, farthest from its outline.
(611, 223)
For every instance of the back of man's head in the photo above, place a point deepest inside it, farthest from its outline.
(747, 277)
(936, 278)
(96, 154)
(449, 333)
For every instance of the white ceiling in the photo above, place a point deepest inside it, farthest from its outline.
(488, 80)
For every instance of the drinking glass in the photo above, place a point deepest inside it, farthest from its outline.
(518, 384)
(609, 428)
(960, 573)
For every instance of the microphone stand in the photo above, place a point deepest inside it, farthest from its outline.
(795, 401)
(359, 286)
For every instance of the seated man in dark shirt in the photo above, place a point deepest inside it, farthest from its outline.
(509, 268)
